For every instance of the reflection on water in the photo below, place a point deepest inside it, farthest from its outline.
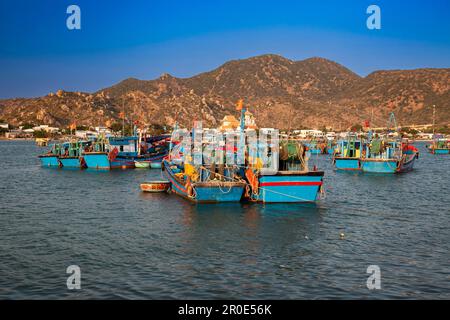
(130, 244)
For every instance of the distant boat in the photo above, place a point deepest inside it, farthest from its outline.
(42, 142)
(439, 146)
(317, 147)
(384, 156)
(122, 153)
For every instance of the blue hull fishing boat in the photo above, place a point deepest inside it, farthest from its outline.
(348, 154)
(201, 191)
(388, 165)
(439, 146)
(122, 153)
(388, 157)
(318, 147)
(66, 155)
(290, 187)
(289, 180)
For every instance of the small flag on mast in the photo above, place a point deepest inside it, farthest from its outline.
(240, 105)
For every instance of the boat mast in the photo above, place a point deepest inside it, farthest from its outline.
(240, 107)
(434, 120)
(123, 118)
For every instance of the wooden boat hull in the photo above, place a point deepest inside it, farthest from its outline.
(71, 162)
(379, 165)
(389, 165)
(101, 161)
(290, 187)
(204, 192)
(49, 161)
(97, 160)
(351, 164)
(155, 186)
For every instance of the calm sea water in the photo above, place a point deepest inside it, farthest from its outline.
(133, 245)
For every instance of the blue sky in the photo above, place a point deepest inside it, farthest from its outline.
(143, 39)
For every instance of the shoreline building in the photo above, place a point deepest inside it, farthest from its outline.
(230, 122)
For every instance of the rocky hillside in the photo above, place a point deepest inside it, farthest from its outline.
(281, 93)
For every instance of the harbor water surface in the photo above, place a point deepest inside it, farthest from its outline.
(133, 245)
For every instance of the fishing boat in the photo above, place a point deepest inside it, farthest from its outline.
(348, 153)
(71, 154)
(204, 188)
(388, 157)
(285, 177)
(123, 153)
(288, 179)
(199, 183)
(317, 147)
(51, 158)
(440, 145)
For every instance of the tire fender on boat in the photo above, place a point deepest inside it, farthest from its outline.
(189, 188)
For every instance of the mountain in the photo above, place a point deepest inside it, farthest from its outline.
(281, 93)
